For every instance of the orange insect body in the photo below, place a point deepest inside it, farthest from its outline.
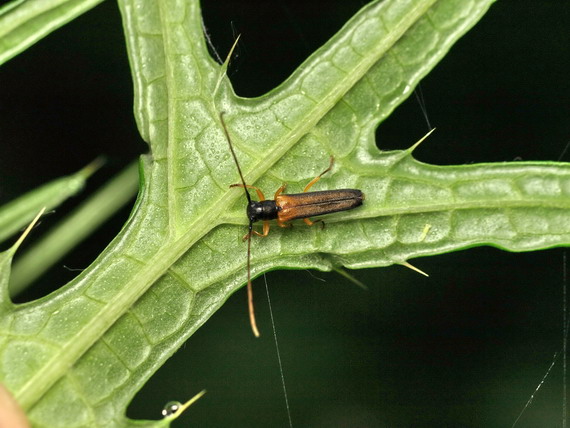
(302, 205)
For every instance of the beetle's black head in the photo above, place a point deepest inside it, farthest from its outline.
(261, 210)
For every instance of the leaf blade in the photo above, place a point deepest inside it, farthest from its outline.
(24, 22)
(73, 229)
(17, 213)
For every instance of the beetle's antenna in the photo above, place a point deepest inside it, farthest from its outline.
(250, 232)
(237, 163)
(249, 286)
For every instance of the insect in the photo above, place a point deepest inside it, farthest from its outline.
(288, 207)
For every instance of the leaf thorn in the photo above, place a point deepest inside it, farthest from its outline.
(409, 266)
(224, 67)
(27, 231)
(92, 167)
(421, 140)
(350, 277)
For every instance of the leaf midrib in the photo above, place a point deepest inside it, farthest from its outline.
(173, 249)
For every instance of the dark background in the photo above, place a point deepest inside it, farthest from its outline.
(464, 348)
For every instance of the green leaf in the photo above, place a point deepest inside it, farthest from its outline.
(71, 231)
(77, 357)
(19, 212)
(24, 22)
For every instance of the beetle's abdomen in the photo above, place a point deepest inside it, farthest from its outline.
(309, 204)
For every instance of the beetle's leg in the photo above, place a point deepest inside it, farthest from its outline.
(283, 224)
(265, 229)
(280, 190)
(311, 223)
(260, 195)
(255, 232)
(318, 177)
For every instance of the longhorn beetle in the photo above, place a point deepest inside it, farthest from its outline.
(287, 207)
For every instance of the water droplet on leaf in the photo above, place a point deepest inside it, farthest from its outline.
(170, 408)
